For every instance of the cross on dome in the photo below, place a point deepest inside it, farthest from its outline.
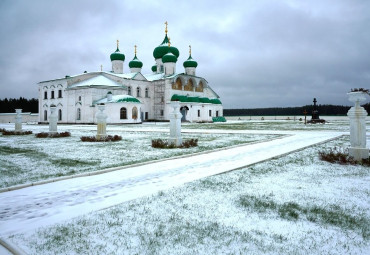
(166, 27)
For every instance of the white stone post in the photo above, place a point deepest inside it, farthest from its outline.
(18, 120)
(175, 124)
(53, 119)
(357, 116)
(102, 122)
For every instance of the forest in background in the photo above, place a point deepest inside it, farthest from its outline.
(31, 105)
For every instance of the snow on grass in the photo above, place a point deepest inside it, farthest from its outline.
(26, 159)
(295, 204)
(332, 124)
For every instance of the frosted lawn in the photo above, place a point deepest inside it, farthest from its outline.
(296, 204)
(26, 159)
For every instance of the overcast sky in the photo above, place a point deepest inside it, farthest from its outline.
(253, 53)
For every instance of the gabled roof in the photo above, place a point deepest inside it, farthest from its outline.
(96, 81)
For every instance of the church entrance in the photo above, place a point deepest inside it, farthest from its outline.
(184, 110)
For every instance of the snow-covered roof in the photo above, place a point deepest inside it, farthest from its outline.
(99, 80)
(117, 99)
(154, 76)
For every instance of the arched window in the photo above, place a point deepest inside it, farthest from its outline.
(129, 91)
(123, 113)
(146, 92)
(60, 115)
(177, 85)
(189, 86)
(200, 87)
(138, 92)
(134, 113)
(52, 94)
(45, 115)
(78, 114)
(45, 95)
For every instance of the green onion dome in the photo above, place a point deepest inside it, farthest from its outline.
(163, 49)
(154, 68)
(190, 62)
(169, 57)
(135, 63)
(117, 55)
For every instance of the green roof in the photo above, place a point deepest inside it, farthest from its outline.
(190, 62)
(117, 55)
(128, 99)
(154, 68)
(169, 57)
(188, 99)
(135, 63)
(163, 49)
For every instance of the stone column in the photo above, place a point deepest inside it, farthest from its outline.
(18, 120)
(53, 119)
(175, 124)
(357, 116)
(102, 122)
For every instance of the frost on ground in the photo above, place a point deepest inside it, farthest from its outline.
(26, 159)
(296, 204)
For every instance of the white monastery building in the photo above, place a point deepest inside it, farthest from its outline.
(132, 97)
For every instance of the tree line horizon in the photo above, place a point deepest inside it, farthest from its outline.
(32, 105)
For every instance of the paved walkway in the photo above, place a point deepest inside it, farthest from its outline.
(29, 208)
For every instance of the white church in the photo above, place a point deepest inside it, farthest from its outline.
(132, 97)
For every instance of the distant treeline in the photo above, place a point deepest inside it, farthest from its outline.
(27, 105)
(278, 111)
(32, 105)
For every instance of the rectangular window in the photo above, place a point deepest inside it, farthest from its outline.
(198, 113)
(162, 113)
(60, 93)
(45, 95)
(210, 113)
(146, 115)
(79, 98)
(216, 113)
(52, 94)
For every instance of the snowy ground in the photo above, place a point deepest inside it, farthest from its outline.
(278, 206)
(48, 158)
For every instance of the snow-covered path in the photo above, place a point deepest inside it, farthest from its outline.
(26, 209)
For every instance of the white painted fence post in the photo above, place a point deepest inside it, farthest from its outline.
(357, 116)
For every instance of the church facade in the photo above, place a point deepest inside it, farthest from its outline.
(132, 97)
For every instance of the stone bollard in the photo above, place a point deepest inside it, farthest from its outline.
(18, 120)
(357, 116)
(53, 119)
(175, 124)
(102, 122)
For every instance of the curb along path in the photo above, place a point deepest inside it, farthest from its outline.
(29, 208)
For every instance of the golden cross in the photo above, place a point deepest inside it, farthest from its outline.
(135, 50)
(166, 27)
(117, 43)
(189, 50)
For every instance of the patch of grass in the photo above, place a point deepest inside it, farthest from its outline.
(6, 150)
(66, 162)
(331, 214)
